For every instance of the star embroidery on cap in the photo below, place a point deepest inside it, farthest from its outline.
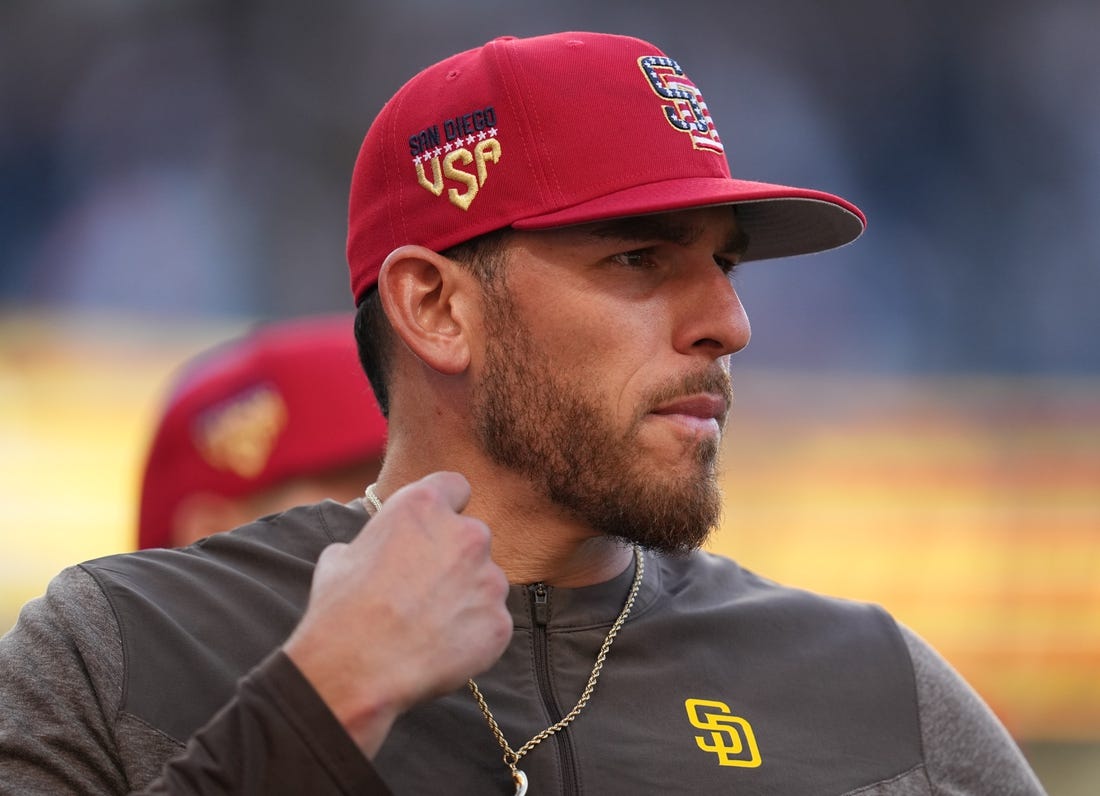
(686, 110)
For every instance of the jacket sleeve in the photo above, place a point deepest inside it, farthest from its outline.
(62, 729)
(966, 748)
(275, 737)
(56, 725)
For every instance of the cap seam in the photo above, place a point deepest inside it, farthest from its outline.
(392, 177)
(532, 148)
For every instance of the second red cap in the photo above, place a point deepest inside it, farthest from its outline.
(287, 400)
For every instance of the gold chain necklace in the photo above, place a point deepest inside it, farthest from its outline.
(512, 756)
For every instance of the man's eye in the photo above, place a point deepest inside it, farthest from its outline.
(727, 264)
(641, 258)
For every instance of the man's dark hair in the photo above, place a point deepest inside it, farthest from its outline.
(374, 335)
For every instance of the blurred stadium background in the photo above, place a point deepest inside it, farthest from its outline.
(917, 420)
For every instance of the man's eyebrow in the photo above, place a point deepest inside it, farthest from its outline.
(662, 228)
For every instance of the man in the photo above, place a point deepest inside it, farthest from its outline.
(541, 235)
(279, 417)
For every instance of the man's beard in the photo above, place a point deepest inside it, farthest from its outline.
(552, 430)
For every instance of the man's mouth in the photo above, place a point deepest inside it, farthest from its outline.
(701, 412)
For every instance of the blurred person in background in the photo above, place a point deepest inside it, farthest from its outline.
(279, 417)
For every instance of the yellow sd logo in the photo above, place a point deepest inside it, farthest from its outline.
(730, 737)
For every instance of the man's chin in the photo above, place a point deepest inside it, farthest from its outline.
(674, 543)
(670, 515)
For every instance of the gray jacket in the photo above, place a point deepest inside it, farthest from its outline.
(159, 671)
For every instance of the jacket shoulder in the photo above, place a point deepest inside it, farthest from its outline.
(193, 620)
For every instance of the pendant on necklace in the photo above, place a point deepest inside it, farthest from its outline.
(520, 779)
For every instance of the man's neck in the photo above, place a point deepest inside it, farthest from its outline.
(567, 563)
(534, 541)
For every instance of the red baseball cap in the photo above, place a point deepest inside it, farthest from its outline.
(288, 399)
(558, 130)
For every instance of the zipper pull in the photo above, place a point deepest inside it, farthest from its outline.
(540, 604)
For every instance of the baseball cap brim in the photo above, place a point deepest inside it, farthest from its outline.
(780, 220)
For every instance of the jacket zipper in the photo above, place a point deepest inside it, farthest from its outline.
(540, 617)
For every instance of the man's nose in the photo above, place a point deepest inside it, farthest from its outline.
(714, 319)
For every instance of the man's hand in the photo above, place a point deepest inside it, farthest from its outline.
(409, 610)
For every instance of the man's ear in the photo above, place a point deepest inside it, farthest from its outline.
(424, 295)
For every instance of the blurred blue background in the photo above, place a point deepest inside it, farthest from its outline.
(181, 168)
(194, 157)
